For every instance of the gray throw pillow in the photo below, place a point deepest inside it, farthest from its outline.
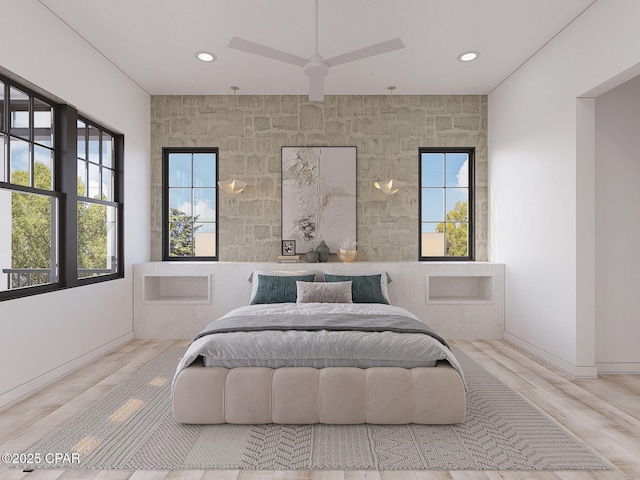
(336, 292)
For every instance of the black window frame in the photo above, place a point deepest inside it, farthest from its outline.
(166, 151)
(470, 151)
(64, 190)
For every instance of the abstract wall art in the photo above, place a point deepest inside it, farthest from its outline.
(318, 196)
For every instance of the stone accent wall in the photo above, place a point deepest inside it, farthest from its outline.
(387, 131)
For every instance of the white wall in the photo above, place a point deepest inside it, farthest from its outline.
(542, 182)
(618, 229)
(45, 336)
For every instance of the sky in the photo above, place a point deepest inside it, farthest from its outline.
(445, 181)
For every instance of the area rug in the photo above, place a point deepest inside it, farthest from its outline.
(132, 428)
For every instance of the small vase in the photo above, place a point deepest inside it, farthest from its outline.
(323, 252)
(311, 256)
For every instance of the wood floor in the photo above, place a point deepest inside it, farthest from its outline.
(603, 412)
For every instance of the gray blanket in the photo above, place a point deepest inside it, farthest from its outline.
(354, 322)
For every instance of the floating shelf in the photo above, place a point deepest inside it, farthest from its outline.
(176, 289)
(459, 289)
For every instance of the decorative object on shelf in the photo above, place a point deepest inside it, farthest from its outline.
(323, 252)
(318, 195)
(389, 187)
(311, 256)
(347, 252)
(288, 248)
(232, 186)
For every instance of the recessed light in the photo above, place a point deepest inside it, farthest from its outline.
(468, 56)
(206, 56)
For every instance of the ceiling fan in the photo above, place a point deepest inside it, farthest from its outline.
(316, 68)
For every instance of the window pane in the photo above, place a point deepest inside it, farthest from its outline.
(433, 205)
(94, 144)
(180, 237)
(3, 158)
(457, 235)
(97, 240)
(107, 184)
(82, 139)
(204, 204)
(457, 203)
(457, 166)
(433, 169)
(43, 168)
(180, 170)
(204, 170)
(180, 203)
(20, 162)
(82, 178)
(433, 244)
(94, 181)
(32, 256)
(107, 150)
(42, 122)
(204, 239)
(19, 113)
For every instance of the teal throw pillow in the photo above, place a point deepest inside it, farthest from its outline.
(364, 288)
(279, 288)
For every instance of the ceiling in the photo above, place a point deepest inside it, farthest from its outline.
(154, 42)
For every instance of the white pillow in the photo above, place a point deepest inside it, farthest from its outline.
(334, 292)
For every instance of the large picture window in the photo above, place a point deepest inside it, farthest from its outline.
(190, 204)
(59, 224)
(446, 204)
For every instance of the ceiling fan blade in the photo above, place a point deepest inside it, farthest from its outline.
(316, 88)
(377, 49)
(264, 51)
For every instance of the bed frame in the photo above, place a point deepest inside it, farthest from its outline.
(333, 395)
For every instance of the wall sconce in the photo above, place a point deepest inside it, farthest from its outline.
(232, 186)
(389, 187)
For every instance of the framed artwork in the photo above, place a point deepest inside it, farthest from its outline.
(288, 248)
(318, 196)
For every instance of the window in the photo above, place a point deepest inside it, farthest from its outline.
(97, 211)
(52, 234)
(446, 203)
(190, 204)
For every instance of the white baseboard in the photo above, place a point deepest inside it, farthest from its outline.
(30, 387)
(618, 368)
(573, 370)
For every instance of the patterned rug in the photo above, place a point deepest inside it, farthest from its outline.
(132, 428)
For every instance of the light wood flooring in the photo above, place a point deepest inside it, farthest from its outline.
(603, 412)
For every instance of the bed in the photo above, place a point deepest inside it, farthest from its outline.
(304, 352)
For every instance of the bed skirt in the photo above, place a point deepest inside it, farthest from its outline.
(334, 395)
